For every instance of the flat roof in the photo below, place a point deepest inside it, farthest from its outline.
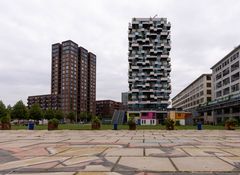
(148, 19)
(191, 84)
(107, 101)
(235, 49)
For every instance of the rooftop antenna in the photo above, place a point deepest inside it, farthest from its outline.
(155, 16)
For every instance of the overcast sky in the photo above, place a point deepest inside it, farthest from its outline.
(203, 32)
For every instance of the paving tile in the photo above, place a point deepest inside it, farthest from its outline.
(144, 164)
(82, 151)
(97, 152)
(54, 173)
(201, 164)
(206, 152)
(235, 161)
(164, 152)
(28, 162)
(98, 173)
(145, 145)
(234, 151)
(123, 152)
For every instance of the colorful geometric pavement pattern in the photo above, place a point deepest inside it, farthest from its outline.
(119, 152)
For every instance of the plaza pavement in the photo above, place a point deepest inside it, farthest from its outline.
(141, 152)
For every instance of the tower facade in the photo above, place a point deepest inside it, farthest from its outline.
(74, 77)
(149, 65)
(91, 83)
(73, 80)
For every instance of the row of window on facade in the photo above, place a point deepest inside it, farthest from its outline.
(226, 71)
(226, 91)
(226, 81)
(225, 63)
(185, 100)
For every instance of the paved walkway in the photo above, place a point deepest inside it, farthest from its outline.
(119, 152)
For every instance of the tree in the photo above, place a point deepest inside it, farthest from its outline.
(59, 114)
(3, 110)
(84, 116)
(71, 116)
(35, 112)
(49, 114)
(19, 111)
(9, 109)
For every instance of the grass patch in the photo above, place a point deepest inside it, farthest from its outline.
(120, 127)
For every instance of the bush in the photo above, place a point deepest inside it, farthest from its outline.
(230, 124)
(53, 124)
(5, 122)
(6, 119)
(132, 123)
(96, 120)
(96, 123)
(169, 124)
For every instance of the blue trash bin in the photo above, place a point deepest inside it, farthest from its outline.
(199, 126)
(30, 126)
(115, 126)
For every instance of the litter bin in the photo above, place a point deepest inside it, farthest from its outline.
(30, 126)
(199, 126)
(115, 126)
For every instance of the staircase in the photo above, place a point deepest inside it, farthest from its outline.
(118, 117)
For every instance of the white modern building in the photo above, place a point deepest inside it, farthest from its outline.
(198, 92)
(225, 88)
(226, 75)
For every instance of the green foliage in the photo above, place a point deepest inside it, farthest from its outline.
(35, 112)
(131, 121)
(19, 111)
(59, 114)
(231, 121)
(95, 119)
(85, 116)
(71, 116)
(54, 121)
(3, 110)
(49, 114)
(9, 109)
(121, 127)
(6, 119)
(169, 124)
(177, 123)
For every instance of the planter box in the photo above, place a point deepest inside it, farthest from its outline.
(132, 127)
(6, 126)
(169, 127)
(52, 126)
(229, 127)
(96, 125)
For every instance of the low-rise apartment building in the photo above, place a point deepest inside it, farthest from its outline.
(48, 101)
(106, 108)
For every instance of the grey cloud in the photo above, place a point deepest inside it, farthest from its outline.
(203, 31)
